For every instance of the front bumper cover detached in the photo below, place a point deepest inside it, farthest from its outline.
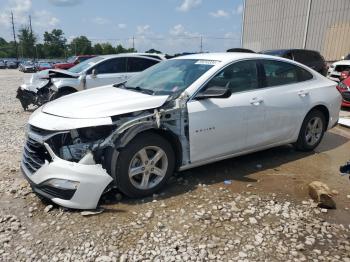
(90, 180)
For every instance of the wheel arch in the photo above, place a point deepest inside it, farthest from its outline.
(66, 88)
(168, 135)
(324, 110)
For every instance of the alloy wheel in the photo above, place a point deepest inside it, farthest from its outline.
(148, 167)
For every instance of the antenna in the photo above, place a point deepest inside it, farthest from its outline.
(14, 35)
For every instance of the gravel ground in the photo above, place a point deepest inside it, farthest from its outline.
(263, 213)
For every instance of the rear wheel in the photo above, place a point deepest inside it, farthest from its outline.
(144, 165)
(312, 131)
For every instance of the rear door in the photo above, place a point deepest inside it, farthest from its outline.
(286, 99)
(108, 72)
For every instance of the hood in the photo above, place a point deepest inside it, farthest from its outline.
(56, 73)
(102, 102)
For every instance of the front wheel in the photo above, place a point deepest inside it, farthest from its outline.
(144, 165)
(312, 131)
(60, 94)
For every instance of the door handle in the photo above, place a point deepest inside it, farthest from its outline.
(303, 93)
(256, 101)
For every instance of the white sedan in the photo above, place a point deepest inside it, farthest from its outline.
(178, 114)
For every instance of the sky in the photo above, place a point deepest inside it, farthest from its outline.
(170, 26)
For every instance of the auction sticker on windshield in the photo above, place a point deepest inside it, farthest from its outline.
(207, 62)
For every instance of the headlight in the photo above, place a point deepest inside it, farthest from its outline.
(61, 183)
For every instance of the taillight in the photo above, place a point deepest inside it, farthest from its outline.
(341, 87)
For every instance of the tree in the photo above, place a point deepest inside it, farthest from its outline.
(120, 49)
(153, 51)
(27, 42)
(54, 43)
(108, 49)
(80, 46)
(98, 49)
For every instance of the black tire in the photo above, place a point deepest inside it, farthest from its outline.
(61, 93)
(302, 144)
(120, 170)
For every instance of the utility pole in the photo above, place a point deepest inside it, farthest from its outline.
(14, 35)
(133, 43)
(31, 33)
(201, 46)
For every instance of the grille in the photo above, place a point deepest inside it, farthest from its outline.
(341, 68)
(346, 96)
(34, 155)
(65, 194)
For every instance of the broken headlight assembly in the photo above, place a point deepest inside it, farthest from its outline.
(73, 146)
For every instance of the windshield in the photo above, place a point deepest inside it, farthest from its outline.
(71, 59)
(170, 77)
(85, 64)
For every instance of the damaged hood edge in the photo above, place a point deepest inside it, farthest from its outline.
(56, 73)
(102, 102)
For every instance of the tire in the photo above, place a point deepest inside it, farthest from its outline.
(132, 159)
(60, 94)
(312, 131)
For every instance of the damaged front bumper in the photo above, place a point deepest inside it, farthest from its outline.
(69, 184)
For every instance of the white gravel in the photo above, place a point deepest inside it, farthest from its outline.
(204, 223)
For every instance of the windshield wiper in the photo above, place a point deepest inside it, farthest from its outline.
(139, 89)
(120, 84)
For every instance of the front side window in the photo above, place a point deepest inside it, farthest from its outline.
(136, 64)
(85, 65)
(111, 66)
(238, 77)
(280, 73)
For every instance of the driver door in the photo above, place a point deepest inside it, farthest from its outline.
(219, 126)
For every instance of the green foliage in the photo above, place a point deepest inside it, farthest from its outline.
(27, 42)
(153, 51)
(80, 46)
(55, 46)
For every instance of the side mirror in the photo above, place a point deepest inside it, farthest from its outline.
(214, 92)
(93, 73)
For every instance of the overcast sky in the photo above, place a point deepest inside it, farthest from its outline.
(167, 25)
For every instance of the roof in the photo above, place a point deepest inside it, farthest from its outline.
(160, 56)
(225, 57)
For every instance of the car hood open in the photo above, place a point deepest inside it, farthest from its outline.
(56, 73)
(102, 102)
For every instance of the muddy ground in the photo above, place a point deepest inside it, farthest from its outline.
(262, 214)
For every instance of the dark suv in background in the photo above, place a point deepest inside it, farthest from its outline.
(310, 58)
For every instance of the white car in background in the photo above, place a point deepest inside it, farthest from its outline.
(98, 71)
(181, 113)
(335, 69)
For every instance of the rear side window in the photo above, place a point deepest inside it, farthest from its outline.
(136, 64)
(112, 66)
(278, 73)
